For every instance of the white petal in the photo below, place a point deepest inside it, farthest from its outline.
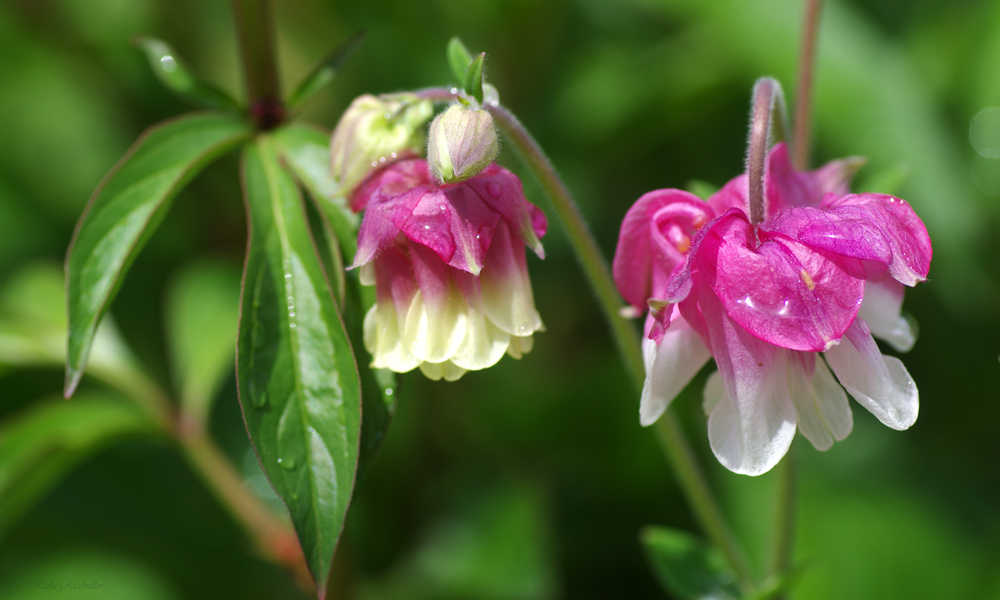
(678, 358)
(520, 345)
(432, 371)
(823, 413)
(484, 343)
(452, 372)
(880, 383)
(753, 424)
(714, 391)
(383, 342)
(881, 310)
(506, 288)
(435, 335)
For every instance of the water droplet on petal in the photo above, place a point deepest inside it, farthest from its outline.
(494, 189)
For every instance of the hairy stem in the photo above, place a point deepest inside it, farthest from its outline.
(764, 93)
(803, 90)
(255, 29)
(675, 445)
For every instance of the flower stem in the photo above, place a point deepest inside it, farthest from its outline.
(803, 91)
(765, 91)
(255, 29)
(700, 496)
(676, 447)
(587, 252)
(784, 517)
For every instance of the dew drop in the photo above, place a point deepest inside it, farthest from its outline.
(494, 189)
(393, 155)
(374, 163)
(388, 391)
(258, 398)
(453, 90)
(382, 160)
(287, 464)
(168, 64)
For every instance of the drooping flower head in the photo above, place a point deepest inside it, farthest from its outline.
(822, 272)
(449, 269)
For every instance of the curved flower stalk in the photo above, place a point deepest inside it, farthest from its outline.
(822, 273)
(448, 265)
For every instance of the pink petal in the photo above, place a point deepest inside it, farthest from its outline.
(787, 187)
(783, 292)
(655, 235)
(394, 280)
(455, 223)
(752, 425)
(735, 194)
(388, 197)
(871, 227)
(501, 190)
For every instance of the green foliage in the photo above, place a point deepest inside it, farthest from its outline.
(325, 71)
(202, 314)
(474, 78)
(176, 77)
(686, 567)
(459, 59)
(496, 548)
(297, 379)
(124, 212)
(39, 446)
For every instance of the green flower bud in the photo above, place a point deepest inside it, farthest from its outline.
(462, 143)
(374, 132)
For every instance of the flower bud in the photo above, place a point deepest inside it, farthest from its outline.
(374, 132)
(462, 142)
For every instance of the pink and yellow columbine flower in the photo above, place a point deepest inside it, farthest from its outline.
(449, 269)
(822, 273)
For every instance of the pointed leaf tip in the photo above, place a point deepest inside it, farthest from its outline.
(176, 77)
(124, 212)
(325, 71)
(474, 78)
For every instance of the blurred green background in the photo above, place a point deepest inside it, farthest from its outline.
(530, 480)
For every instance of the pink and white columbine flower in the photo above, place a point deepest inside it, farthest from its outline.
(823, 272)
(448, 265)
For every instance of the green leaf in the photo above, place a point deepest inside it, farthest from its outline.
(124, 212)
(685, 566)
(306, 151)
(297, 381)
(324, 72)
(42, 444)
(33, 330)
(175, 76)
(474, 78)
(202, 315)
(497, 546)
(459, 59)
